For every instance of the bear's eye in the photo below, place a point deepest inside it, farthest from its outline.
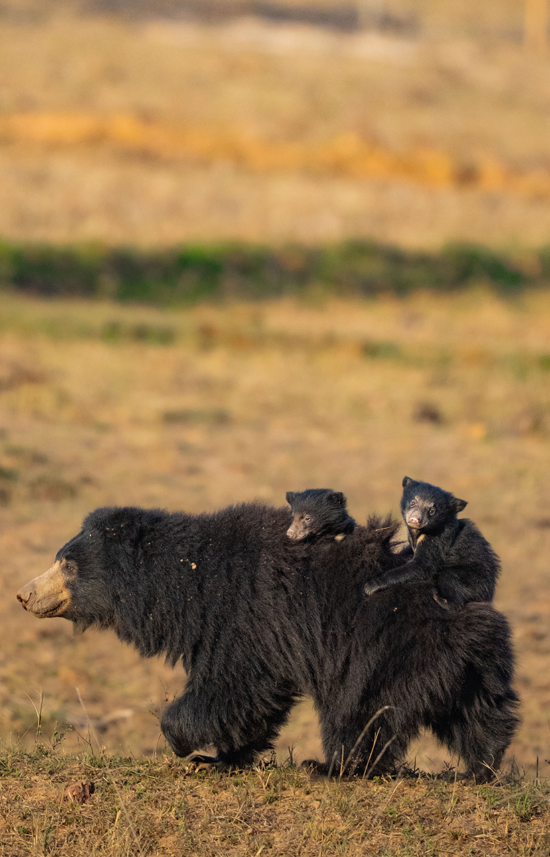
(307, 518)
(70, 567)
(432, 512)
(412, 503)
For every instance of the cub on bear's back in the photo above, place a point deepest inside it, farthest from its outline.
(318, 513)
(450, 552)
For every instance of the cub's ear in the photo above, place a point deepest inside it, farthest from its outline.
(459, 504)
(290, 495)
(337, 498)
(408, 481)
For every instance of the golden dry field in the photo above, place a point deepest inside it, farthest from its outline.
(249, 401)
(158, 130)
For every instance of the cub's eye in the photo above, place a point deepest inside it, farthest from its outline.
(412, 503)
(432, 512)
(307, 518)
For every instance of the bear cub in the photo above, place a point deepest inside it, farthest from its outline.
(318, 512)
(450, 552)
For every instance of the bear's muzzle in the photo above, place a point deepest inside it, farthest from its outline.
(46, 596)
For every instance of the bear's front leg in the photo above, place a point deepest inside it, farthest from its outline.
(241, 723)
(177, 726)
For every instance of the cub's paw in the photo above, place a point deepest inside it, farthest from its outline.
(371, 587)
(441, 601)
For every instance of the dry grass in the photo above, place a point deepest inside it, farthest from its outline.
(155, 808)
(268, 132)
(251, 401)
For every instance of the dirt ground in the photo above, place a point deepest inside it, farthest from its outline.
(250, 401)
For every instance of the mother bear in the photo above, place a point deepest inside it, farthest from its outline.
(259, 621)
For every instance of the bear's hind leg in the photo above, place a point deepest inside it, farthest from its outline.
(351, 749)
(482, 721)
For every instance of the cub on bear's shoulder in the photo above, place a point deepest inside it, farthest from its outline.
(318, 512)
(447, 551)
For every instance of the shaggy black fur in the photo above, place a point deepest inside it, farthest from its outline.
(258, 621)
(450, 553)
(318, 512)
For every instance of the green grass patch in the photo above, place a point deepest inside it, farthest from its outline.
(193, 273)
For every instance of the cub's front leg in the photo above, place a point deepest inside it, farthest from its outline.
(415, 569)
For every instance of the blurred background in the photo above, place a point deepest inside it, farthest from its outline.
(249, 247)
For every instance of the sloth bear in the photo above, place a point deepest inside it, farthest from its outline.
(449, 552)
(318, 513)
(258, 621)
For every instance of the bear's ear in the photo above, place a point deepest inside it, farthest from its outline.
(407, 481)
(290, 495)
(337, 498)
(459, 504)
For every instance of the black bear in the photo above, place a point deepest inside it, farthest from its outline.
(450, 552)
(318, 512)
(258, 621)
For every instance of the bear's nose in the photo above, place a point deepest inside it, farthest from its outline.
(414, 521)
(24, 596)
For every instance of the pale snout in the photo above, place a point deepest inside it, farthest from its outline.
(292, 534)
(47, 595)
